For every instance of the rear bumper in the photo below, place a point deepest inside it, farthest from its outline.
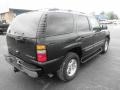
(47, 67)
(20, 64)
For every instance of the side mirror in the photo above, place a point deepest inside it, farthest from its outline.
(103, 27)
(96, 29)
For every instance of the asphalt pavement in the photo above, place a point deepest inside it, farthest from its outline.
(100, 73)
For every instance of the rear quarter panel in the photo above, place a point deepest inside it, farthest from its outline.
(58, 46)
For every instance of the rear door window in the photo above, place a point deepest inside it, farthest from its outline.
(82, 23)
(59, 23)
(25, 24)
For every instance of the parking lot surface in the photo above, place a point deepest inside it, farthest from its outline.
(100, 73)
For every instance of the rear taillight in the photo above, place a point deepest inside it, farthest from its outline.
(41, 53)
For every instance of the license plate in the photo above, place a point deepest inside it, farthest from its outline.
(15, 62)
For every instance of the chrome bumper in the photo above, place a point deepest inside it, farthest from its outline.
(29, 69)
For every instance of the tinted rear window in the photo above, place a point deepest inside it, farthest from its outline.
(25, 24)
(59, 23)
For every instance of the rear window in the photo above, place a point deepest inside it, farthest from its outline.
(25, 24)
(59, 23)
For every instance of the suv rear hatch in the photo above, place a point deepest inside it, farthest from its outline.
(21, 36)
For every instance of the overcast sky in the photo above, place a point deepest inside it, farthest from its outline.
(86, 6)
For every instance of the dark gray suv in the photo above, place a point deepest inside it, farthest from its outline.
(54, 41)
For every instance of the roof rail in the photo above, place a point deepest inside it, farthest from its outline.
(53, 9)
(82, 12)
(70, 10)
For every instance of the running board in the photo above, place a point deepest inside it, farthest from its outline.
(94, 54)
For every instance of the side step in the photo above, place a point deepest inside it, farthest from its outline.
(85, 59)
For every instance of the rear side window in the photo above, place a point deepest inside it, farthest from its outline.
(59, 23)
(82, 23)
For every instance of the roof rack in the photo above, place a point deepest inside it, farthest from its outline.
(82, 12)
(57, 9)
(53, 9)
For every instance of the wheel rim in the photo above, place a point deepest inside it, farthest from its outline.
(106, 45)
(72, 67)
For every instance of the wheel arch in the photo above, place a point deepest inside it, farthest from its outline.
(108, 36)
(77, 50)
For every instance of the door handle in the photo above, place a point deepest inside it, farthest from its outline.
(82, 37)
(79, 38)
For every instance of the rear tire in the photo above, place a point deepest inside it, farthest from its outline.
(69, 67)
(106, 45)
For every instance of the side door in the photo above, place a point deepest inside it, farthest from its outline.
(85, 35)
(59, 34)
(99, 35)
